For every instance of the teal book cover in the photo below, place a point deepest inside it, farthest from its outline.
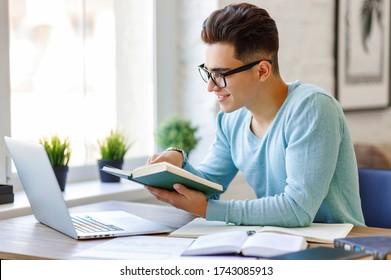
(166, 180)
(165, 175)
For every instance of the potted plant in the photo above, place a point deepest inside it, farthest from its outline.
(112, 150)
(59, 153)
(176, 132)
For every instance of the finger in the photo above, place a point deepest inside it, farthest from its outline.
(152, 158)
(181, 189)
(186, 192)
(164, 195)
(152, 190)
(157, 194)
(157, 158)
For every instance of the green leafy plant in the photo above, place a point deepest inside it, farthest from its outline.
(175, 132)
(114, 146)
(58, 150)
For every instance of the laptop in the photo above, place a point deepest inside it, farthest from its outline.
(49, 207)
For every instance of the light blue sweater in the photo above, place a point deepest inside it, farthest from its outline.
(302, 170)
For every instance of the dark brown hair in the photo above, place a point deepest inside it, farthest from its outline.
(250, 29)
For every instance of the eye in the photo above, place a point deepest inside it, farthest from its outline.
(217, 75)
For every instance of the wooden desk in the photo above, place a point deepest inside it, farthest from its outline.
(25, 238)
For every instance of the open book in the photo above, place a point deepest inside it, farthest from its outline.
(317, 232)
(165, 175)
(261, 244)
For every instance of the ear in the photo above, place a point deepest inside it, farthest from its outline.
(264, 70)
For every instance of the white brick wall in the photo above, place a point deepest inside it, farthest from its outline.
(197, 104)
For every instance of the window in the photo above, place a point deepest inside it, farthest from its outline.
(81, 68)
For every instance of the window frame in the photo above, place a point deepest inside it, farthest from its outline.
(5, 91)
(163, 104)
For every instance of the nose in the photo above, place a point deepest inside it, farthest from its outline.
(212, 86)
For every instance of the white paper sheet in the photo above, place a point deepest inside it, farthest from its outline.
(138, 248)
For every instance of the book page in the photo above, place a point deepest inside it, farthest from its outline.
(200, 226)
(149, 169)
(117, 172)
(317, 232)
(270, 244)
(218, 243)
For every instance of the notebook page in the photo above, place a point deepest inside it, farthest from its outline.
(200, 226)
(317, 232)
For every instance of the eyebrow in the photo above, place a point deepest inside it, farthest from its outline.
(220, 69)
(217, 69)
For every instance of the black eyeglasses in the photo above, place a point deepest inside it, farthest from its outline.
(219, 78)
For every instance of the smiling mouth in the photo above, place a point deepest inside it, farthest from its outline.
(221, 97)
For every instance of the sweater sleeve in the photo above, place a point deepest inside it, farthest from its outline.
(217, 166)
(311, 137)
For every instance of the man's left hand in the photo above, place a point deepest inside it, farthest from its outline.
(184, 198)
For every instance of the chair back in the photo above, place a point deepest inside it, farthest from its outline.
(375, 192)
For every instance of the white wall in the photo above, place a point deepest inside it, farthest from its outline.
(197, 103)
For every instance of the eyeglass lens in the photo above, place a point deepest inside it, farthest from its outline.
(217, 78)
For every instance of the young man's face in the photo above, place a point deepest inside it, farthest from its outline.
(241, 88)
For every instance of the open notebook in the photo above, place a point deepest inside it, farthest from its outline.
(317, 232)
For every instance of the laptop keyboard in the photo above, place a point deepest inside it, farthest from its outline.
(88, 224)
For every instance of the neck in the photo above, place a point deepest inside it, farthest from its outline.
(271, 97)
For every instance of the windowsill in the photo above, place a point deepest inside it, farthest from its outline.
(80, 193)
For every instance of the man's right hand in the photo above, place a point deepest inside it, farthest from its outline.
(172, 157)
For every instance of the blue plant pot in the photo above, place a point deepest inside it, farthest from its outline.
(106, 177)
(61, 173)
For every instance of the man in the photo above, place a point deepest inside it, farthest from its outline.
(290, 141)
